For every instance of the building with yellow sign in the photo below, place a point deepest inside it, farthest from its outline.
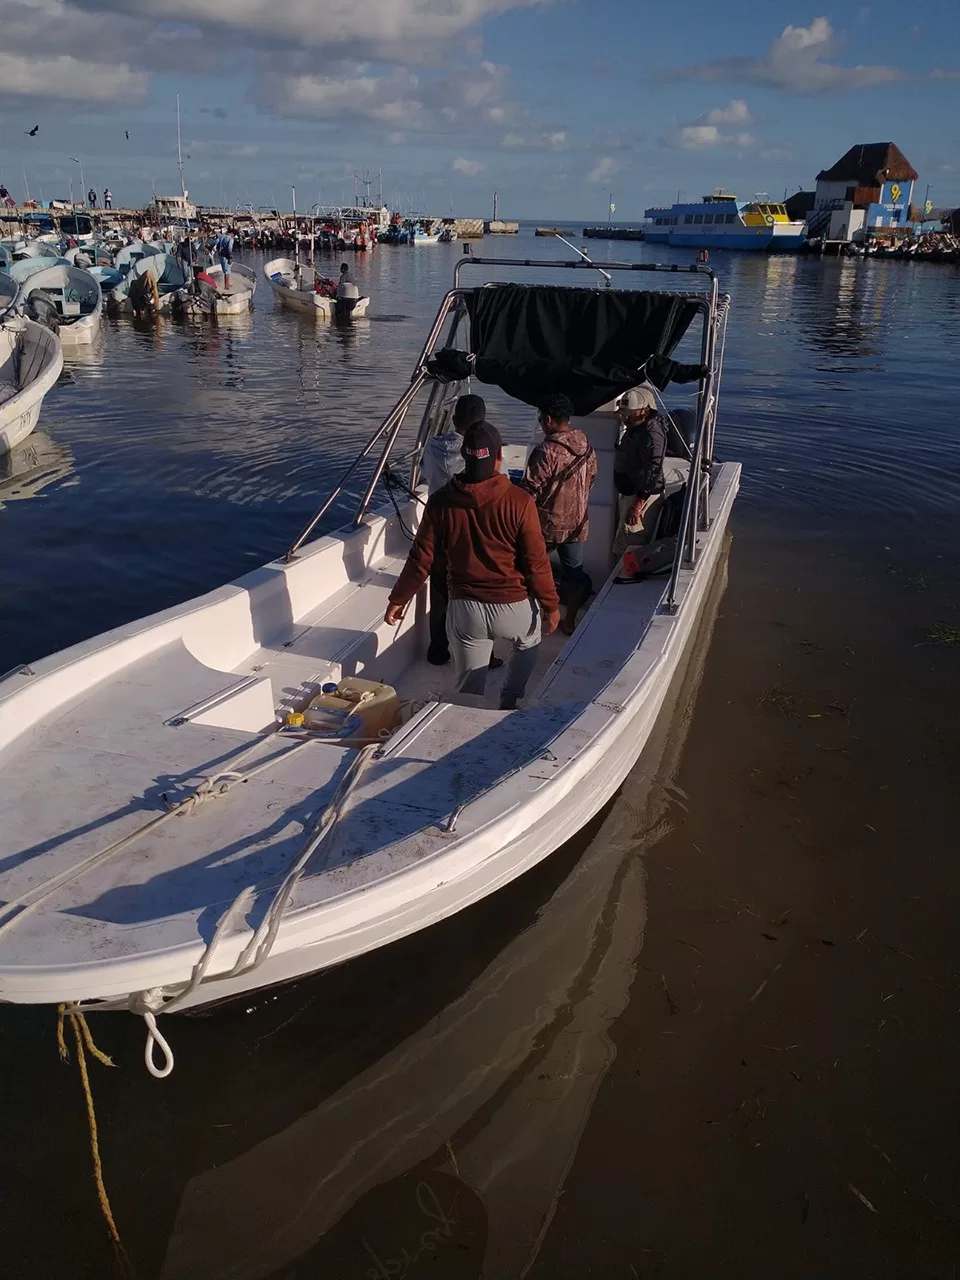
(869, 189)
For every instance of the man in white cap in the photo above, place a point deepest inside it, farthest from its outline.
(638, 462)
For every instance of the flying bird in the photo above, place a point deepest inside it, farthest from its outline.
(32, 133)
(126, 134)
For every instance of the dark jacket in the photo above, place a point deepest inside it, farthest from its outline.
(638, 461)
(491, 534)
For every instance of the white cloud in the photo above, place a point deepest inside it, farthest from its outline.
(548, 140)
(796, 62)
(464, 99)
(605, 168)
(69, 78)
(392, 99)
(705, 132)
(697, 137)
(469, 168)
(777, 154)
(735, 112)
(329, 22)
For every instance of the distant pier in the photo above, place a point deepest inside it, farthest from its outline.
(612, 233)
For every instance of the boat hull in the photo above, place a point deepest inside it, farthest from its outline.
(81, 331)
(742, 241)
(305, 300)
(233, 302)
(40, 366)
(503, 834)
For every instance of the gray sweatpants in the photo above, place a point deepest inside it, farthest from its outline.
(472, 627)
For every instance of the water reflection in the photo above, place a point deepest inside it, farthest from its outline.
(481, 1106)
(88, 356)
(32, 466)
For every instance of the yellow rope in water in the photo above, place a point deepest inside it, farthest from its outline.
(85, 1042)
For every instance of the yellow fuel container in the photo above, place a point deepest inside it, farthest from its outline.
(357, 712)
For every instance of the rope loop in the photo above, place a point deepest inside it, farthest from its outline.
(155, 1037)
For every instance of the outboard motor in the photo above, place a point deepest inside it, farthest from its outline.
(40, 308)
(348, 295)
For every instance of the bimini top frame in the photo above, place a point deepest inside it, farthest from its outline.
(712, 307)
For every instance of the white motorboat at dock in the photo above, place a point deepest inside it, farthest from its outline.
(31, 358)
(67, 299)
(294, 285)
(216, 298)
(176, 835)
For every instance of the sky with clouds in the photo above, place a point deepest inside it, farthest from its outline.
(555, 103)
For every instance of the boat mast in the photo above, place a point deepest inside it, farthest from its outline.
(183, 190)
(296, 235)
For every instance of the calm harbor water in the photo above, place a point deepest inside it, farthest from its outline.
(573, 1078)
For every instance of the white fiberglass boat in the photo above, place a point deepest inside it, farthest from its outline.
(176, 833)
(30, 362)
(66, 299)
(293, 285)
(217, 299)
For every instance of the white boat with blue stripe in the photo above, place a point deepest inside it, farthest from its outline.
(721, 221)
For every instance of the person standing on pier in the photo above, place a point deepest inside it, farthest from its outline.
(107, 198)
(6, 197)
(92, 198)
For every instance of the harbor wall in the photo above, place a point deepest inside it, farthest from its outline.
(501, 228)
(612, 233)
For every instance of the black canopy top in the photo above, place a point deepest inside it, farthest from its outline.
(591, 344)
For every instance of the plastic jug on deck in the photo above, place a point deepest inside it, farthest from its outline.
(356, 712)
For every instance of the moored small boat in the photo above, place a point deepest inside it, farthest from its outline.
(281, 846)
(215, 298)
(127, 257)
(26, 267)
(151, 285)
(31, 358)
(294, 286)
(66, 299)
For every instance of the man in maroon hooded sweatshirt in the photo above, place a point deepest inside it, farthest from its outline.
(499, 577)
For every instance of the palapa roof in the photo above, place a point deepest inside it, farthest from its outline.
(871, 164)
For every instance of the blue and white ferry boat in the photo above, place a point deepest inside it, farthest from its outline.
(721, 221)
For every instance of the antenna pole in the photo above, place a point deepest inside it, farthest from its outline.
(606, 274)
